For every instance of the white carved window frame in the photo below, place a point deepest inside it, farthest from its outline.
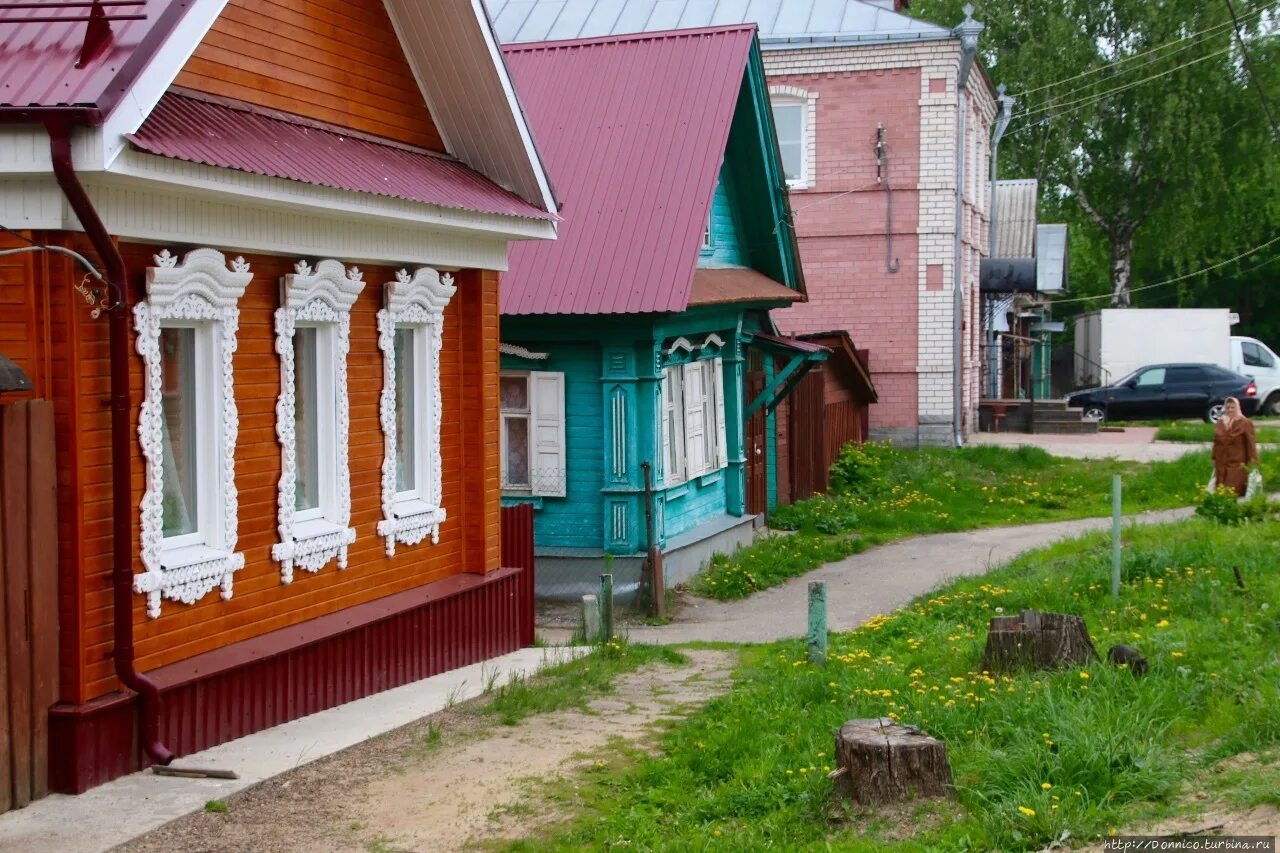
(416, 302)
(203, 292)
(808, 101)
(321, 298)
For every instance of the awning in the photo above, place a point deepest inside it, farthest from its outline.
(801, 357)
(847, 361)
(735, 285)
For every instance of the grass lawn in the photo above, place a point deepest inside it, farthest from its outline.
(883, 494)
(1268, 432)
(1083, 750)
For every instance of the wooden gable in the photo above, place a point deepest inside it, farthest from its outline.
(336, 61)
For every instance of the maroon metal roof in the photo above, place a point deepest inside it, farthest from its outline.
(632, 130)
(38, 57)
(232, 135)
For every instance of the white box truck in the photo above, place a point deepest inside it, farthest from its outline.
(1114, 342)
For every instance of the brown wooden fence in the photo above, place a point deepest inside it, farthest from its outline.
(29, 615)
(517, 553)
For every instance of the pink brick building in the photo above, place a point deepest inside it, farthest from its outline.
(864, 98)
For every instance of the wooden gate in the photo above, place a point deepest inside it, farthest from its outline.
(28, 589)
(756, 447)
(807, 436)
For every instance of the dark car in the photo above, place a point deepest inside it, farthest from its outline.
(1168, 391)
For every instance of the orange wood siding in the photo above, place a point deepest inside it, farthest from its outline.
(337, 61)
(468, 538)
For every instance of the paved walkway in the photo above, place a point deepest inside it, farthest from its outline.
(876, 581)
(1134, 444)
(118, 811)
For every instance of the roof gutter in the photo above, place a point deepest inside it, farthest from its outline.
(967, 31)
(59, 127)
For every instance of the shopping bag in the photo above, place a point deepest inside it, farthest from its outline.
(1254, 486)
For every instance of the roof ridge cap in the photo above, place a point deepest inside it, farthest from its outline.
(654, 35)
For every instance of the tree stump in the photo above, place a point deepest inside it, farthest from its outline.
(1035, 640)
(881, 761)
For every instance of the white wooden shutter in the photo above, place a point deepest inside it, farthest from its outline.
(695, 447)
(547, 471)
(722, 451)
(672, 423)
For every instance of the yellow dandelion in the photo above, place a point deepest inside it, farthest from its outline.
(1026, 811)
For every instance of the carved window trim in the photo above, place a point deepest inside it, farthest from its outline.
(414, 301)
(322, 296)
(201, 290)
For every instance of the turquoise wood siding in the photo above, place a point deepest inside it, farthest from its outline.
(726, 232)
(573, 521)
(692, 503)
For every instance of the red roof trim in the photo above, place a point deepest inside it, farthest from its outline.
(232, 135)
(525, 47)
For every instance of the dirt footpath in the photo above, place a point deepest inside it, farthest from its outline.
(447, 781)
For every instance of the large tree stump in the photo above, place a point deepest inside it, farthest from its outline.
(881, 761)
(1035, 640)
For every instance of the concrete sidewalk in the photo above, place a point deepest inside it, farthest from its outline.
(128, 807)
(1132, 444)
(876, 581)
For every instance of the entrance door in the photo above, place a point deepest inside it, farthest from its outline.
(756, 445)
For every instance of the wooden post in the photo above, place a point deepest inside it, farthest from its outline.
(817, 622)
(1115, 536)
(590, 618)
(606, 607)
(657, 584)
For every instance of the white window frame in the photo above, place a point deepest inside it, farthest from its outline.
(319, 298)
(413, 302)
(548, 471)
(202, 293)
(808, 103)
(680, 413)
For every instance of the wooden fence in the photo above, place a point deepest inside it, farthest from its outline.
(517, 553)
(29, 589)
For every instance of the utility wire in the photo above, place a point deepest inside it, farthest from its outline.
(1248, 64)
(1178, 278)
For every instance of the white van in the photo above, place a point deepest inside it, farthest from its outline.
(1255, 359)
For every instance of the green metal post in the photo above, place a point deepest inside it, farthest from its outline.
(606, 607)
(1115, 536)
(817, 622)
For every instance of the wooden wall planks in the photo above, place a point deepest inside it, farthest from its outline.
(336, 61)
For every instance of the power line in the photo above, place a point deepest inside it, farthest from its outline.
(1248, 64)
(1179, 278)
(1192, 40)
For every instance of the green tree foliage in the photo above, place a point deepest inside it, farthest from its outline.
(1148, 138)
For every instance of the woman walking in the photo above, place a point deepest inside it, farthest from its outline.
(1234, 448)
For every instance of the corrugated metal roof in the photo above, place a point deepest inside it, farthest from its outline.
(1015, 218)
(38, 60)
(729, 285)
(633, 131)
(237, 136)
(782, 23)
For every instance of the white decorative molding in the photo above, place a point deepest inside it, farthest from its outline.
(517, 351)
(201, 288)
(713, 341)
(679, 345)
(416, 300)
(323, 295)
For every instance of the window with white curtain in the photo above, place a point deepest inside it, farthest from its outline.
(533, 433)
(183, 389)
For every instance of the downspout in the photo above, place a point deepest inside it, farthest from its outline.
(967, 31)
(1003, 117)
(121, 438)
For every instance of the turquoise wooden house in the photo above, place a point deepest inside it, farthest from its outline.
(625, 344)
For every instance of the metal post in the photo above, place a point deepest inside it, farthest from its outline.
(606, 607)
(1115, 536)
(817, 622)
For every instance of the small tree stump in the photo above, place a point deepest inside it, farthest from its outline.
(881, 761)
(1035, 640)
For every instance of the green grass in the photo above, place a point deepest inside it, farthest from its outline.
(886, 494)
(1193, 432)
(1081, 750)
(572, 684)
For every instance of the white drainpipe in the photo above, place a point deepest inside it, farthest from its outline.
(967, 32)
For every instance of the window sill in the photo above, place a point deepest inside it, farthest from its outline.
(677, 491)
(313, 544)
(173, 559)
(186, 574)
(411, 521)
(709, 478)
(517, 498)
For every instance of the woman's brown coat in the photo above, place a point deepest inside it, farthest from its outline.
(1234, 448)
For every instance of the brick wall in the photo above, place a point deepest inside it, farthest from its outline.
(905, 317)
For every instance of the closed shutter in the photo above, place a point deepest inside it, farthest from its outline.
(722, 451)
(695, 447)
(672, 421)
(546, 415)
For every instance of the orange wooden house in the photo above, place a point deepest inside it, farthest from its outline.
(250, 267)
